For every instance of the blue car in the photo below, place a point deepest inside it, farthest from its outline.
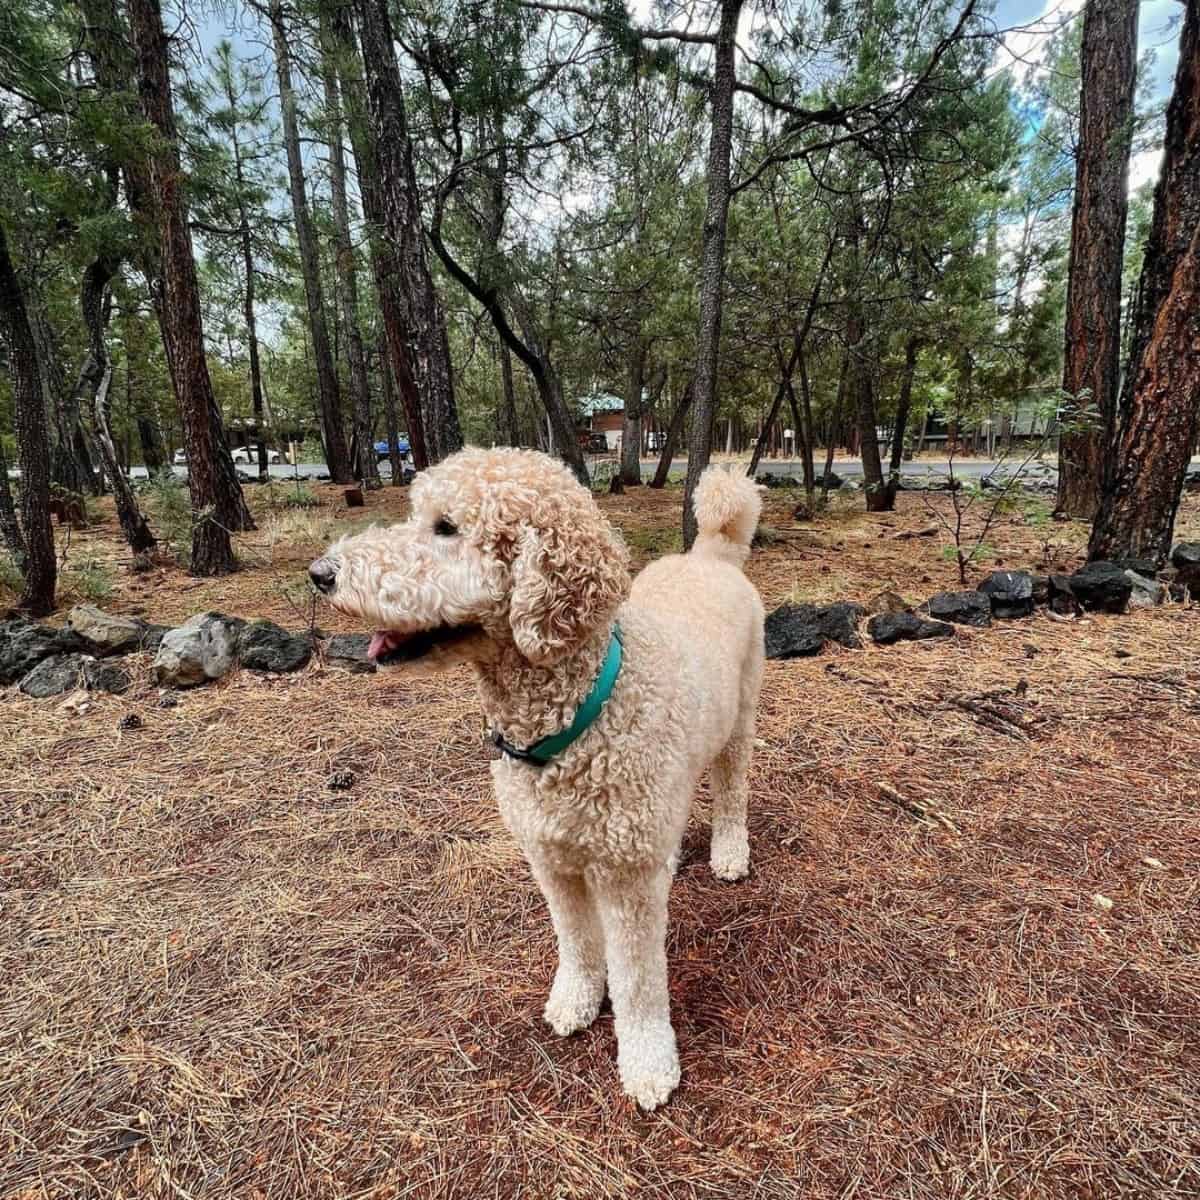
(381, 448)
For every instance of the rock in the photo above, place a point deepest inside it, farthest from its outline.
(1101, 587)
(108, 633)
(1178, 592)
(1010, 593)
(894, 627)
(888, 602)
(830, 481)
(53, 676)
(204, 647)
(1141, 566)
(1041, 589)
(24, 644)
(1062, 596)
(348, 652)
(963, 608)
(798, 630)
(105, 677)
(1186, 554)
(1147, 593)
(264, 646)
(152, 636)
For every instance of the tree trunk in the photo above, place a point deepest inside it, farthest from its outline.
(785, 375)
(345, 272)
(674, 433)
(421, 314)
(212, 551)
(389, 415)
(712, 258)
(11, 537)
(510, 422)
(1161, 394)
(631, 421)
(903, 407)
(33, 445)
(1091, 368)
(861, 385)
(96, 280)
(328, 396)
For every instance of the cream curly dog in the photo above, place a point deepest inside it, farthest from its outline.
(507, 563)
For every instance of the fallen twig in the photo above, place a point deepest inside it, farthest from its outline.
(914, 808)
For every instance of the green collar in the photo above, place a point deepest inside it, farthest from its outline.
(541, 752)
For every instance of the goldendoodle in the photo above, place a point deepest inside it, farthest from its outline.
(608, 701)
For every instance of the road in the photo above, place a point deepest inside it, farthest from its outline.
(846, 468)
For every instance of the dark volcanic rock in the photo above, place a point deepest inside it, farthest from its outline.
(1041, 589)
(24, 644)
(348, 652)
(798, 630)
(1147, 591)
(105, 677)
(1010, 593)
(1142, 566)
(1062, 596)
(963, 608)
(1186, 554)
(1102, 587)
(264, 646)
(54, 676)
(894, 627)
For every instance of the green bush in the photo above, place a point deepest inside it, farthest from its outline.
(92, 580)
(170, 510)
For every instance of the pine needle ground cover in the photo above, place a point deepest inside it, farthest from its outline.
(276, 943)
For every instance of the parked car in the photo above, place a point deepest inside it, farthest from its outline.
(249, 454)
(402, 447)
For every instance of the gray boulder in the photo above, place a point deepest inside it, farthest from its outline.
(204, 647)
(1062, 596)
(963, 608)
(264, 646)
(1186, 554)
(800, 630)
(107, 633)
(888, 628)
(1146, 593)
(348, 652)
(1010, 593)
(24, 644)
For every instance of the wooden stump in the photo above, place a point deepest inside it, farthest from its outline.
(354, 498)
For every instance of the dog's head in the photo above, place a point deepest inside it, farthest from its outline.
(502, 547)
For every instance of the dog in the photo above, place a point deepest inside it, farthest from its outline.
(608, 698)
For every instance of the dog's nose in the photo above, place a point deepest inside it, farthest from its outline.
(323, 574)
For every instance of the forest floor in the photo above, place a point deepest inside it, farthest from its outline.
(966, 964)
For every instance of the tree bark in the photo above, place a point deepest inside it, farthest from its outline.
(712, 258)
(1091, 368)
(674, 431)
(510, 423)
(912, 348)
(96, 280)
(1161, 395)
(421, 315)
(33, 444)
(389, 414)
(212, 550)
(11, 537)
(345, 270)
(328, 394)
(631, 419)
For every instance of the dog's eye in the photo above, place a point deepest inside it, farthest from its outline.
(445, 527)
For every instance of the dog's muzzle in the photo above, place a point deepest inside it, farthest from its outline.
(323, 574)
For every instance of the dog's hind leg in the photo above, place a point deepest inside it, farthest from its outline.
(578, 987)
(730, 851)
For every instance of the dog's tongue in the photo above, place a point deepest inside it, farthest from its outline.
(381, 643)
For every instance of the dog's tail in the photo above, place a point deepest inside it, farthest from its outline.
(727, 508)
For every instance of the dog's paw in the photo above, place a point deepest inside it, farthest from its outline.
(573, 1004)
(730, 859)
(649, 1066)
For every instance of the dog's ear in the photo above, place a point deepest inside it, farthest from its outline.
(567, 580)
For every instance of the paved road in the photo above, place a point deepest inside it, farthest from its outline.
(846, 468)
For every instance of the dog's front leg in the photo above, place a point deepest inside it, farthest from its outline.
(578, 987)
(633, 911)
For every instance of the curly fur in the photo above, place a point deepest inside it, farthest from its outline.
(540, 575)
